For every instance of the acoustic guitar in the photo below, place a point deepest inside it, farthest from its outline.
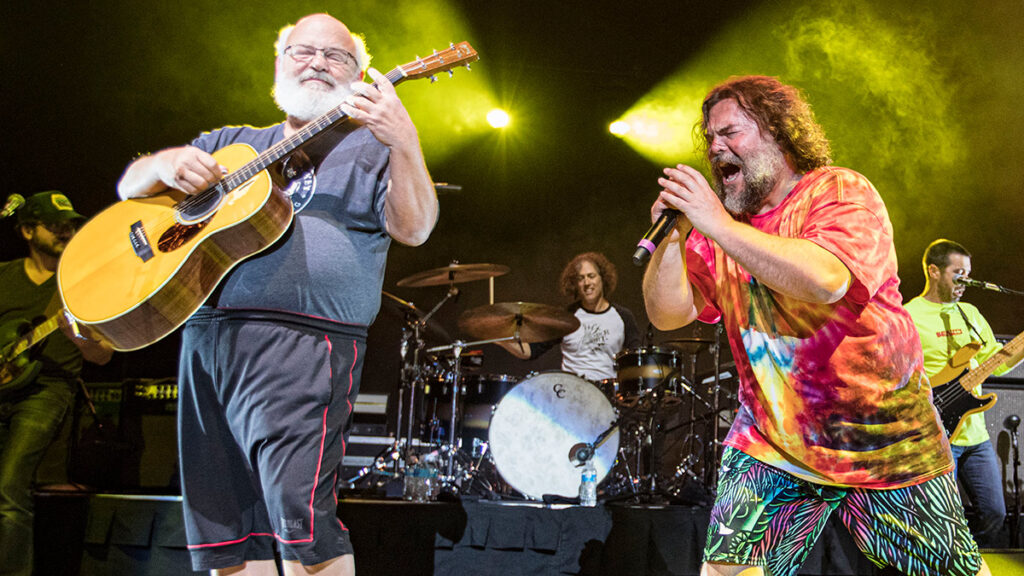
(954, 396)
(142, 267)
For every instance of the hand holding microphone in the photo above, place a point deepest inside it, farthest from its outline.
(680, 184)
(657, 232)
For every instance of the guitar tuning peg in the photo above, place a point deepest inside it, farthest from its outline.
(467, 67)
(451, 73)
(433, 79)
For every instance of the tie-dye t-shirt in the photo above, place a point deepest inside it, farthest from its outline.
(832, 393)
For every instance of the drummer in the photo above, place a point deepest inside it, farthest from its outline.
(605, 328)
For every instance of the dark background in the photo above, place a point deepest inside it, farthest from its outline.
(922, 97)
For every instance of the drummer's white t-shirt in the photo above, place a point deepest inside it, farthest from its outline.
(590, 351)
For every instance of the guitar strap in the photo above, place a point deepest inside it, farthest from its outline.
(970, 326)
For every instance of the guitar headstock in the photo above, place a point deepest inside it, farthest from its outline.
(456, 55)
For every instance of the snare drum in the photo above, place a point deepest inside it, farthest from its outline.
(537, 423)
(640, 370)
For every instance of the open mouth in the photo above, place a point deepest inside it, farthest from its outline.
(730, 172)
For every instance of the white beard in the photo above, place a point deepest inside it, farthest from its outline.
(307, 103)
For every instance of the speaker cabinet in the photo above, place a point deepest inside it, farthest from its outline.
(1010, 403)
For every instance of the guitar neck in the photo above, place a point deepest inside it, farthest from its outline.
(32, 338)
(971, 379)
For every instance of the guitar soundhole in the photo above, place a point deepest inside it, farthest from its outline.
(178, 234)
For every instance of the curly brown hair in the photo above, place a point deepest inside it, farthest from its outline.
(609, 276)
(776, 107)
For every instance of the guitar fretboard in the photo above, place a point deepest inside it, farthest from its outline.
(41, 331)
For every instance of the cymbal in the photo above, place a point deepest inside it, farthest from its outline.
(453, 274)
(409, 311)
(536, 322)
(689, 345)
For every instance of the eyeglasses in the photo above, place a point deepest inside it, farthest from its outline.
(303, 53)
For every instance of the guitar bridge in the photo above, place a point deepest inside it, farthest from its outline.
(140, 242)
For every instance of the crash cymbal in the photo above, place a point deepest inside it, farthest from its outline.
(453, 273)
(536, 322)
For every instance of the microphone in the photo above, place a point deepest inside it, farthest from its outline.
(580, 453)
(14, 201)
(1011, 422)
(649, 243)
(965, 281)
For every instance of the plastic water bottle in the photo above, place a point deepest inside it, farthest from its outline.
(588, 484)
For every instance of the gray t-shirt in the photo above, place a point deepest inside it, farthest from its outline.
(330, 263)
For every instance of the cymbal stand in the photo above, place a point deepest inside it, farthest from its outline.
(412, 375)
(711, 456)
(697, 453)
(647, 460)
(449, 451)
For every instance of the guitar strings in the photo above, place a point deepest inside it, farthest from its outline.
(273, 154)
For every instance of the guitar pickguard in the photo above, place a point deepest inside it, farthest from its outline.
(178, 235)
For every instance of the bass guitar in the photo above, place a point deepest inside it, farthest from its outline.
(953, 393)
(142, 267)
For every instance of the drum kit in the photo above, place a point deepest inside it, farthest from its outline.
(649, 432)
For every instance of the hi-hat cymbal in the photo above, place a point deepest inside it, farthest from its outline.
(688, 345)
(453, 274)
(535, 322)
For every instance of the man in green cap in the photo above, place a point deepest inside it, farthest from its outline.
(37, 387)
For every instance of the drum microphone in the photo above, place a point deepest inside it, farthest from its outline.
(14, 201)
(649, 243)
(580, 453)
(965, 281)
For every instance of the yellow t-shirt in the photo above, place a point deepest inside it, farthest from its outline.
(931, 319)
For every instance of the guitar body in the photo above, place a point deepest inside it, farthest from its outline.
(955, 404)
(18, 370)
(140, 268)
(135, 273)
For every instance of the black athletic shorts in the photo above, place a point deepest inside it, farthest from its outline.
(264, 407)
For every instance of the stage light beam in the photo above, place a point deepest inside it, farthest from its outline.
(619, 128)
(498, 118)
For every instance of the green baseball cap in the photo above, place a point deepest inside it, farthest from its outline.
(50, 207)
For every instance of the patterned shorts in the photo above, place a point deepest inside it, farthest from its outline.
(770, 518)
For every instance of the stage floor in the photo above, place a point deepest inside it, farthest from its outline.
(119, 534)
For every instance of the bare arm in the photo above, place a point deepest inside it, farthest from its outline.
(411, 205)
(791, 266)
(669, 298)
(184, 168)
(93, 347)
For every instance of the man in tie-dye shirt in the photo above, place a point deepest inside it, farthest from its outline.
(796, 258)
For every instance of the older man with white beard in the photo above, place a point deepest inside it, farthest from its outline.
(270, 365)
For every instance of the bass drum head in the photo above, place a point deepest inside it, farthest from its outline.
(539, 421)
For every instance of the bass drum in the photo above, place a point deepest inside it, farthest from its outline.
(539, 421)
